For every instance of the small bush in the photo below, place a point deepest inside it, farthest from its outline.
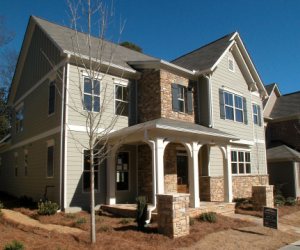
(47, 208)
(26, 201)
(80, 221)
(291, 201)
(70, 216)
(279, 200)
(14, 245)
(208, 217)
(141, 213)
(192, 221)
(104, 228)
(125, 221)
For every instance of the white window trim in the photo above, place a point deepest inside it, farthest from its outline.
(255, 114)
(83, 93)
(129, 171)
(82, 170)
(244, 162)
(233, 64)
(121, 84)
(234, 107)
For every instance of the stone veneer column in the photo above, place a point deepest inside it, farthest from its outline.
(173, 218)
(262, 196)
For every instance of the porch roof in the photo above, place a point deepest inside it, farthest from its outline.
(282, 153)
(166, 126)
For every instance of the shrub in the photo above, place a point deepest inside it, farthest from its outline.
(26, 201)
(291, 201)
(279, 200)
(14, 245)
(80, 221)
(70, 216)
(47, 208)
(208, 217)
(125, 221)
(141, 213)
(104, 228)
(192, 221)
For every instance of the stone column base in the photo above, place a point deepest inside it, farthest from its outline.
(262, 195)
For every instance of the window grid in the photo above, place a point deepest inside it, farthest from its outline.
(91, 95)
(234, 109)
(121, 100)
(240, 162)
(181, 98)
(255, 113)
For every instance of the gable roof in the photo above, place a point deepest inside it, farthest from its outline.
(270, 88)
(286, 106)
(282, 153)
(206, 58)
(64, 38)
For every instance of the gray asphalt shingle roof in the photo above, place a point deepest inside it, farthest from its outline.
(206, 56)
(286, 105)
(281, 153)
(64, 37)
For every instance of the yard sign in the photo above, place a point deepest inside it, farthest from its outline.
(270, 217)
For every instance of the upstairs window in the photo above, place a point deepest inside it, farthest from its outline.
(233, 107)
(19, 118)
(91, 95)
(256, 114)
(87, 171)
(240, 162)
(182, 99)
(121, 100)
(51, 100)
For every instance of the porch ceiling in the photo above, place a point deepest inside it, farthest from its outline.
(172, 129)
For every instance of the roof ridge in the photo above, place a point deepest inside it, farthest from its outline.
(205, 45)
(85, 33)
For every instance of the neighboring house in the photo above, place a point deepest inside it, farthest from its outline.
(192, 125)
(282, 120)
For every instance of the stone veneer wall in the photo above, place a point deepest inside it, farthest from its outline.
(145, 172)
(149, 96)
(173, 216)
(262, 195)
(166, 80)
(212, 188)
(170, 168)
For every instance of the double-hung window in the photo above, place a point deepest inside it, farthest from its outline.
(51, 100)
(19, 118)
(240, 162)
(256, 114)
(91, 94)
(87, 171)
(182, 99)
(233, 106)
(121, 100)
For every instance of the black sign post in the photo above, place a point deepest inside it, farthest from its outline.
(270, 217)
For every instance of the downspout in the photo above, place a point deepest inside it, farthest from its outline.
(209, 97)
(62, 179)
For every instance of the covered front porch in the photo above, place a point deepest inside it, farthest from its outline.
(165, 156)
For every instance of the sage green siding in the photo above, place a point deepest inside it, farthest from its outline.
(32, 185)
(235, 82)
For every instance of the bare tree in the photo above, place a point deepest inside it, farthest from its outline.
(93, 57)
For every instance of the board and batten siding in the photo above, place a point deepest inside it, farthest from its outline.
(235, 82)
(107, 82)
(33, 185)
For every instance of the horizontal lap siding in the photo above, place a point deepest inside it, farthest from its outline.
(32, 185)
(75, 101)
(216, 162)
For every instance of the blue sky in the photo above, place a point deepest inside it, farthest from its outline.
(167, 29)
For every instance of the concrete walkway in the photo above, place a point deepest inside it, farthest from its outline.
(20, 218)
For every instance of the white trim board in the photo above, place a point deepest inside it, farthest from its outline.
(79, 128)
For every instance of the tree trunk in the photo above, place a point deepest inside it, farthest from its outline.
(93, 226)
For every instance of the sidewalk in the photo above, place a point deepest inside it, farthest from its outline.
(20, 218)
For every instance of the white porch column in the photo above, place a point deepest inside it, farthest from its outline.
(111, 176)
(296, 178)
(159, 163)
(194, 175)
(227, 175)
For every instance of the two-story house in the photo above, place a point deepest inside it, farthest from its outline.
(282, 121)
(192, 125)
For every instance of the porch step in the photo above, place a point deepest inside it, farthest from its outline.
(123, 210)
